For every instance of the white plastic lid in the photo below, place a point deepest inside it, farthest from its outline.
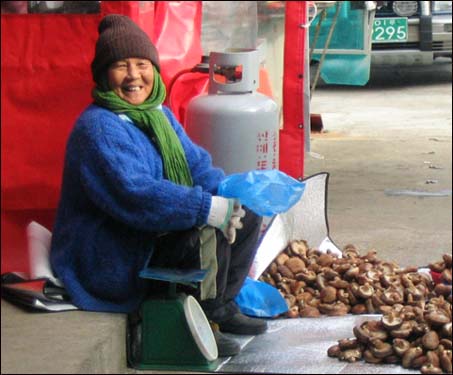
(200, 328)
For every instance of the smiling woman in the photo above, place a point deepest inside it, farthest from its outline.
(136, 189)
(121, 47)
(131, 79)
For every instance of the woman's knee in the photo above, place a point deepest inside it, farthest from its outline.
(251, 219)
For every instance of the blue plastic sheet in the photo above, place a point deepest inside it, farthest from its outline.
(266, 193)
(261, 300)
(173, 275)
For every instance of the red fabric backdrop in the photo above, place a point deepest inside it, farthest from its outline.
(46, 83)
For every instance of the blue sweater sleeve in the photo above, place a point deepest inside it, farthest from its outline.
(121, 172)
(203, 172)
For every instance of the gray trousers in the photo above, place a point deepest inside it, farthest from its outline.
(182, 250)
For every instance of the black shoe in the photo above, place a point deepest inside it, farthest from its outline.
(241, 324)
(227, 347)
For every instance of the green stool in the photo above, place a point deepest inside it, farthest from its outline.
(171, 332)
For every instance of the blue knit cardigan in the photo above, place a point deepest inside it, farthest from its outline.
(114, 198)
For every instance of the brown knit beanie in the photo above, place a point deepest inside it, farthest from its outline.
(120, 38)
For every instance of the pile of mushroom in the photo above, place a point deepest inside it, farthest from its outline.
(414, 336)
(315, 283)
(415, 329)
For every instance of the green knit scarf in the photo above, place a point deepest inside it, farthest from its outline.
(156, 126)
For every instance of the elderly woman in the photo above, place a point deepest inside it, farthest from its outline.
(134, 183)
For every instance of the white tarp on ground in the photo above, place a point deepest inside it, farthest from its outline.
(306, 220)
(299, 346)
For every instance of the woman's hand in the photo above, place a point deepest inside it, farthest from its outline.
(226, 214)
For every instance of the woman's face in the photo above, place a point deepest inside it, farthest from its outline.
(131, 79)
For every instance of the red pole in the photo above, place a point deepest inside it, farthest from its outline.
(292, 134)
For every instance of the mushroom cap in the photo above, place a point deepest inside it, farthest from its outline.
(338, 283)
(285, 271)
(442, 290)
(299, 247)
(379, 348)
(334, 351)
(334, 309)
(306, 275)
(368, 330)
(410, 355)
(362, 333)
(365, 291)
(281, 258)
(350, 355)
(430, 369)
(351, 273)
(392, 297)
(445, 361)
(345, 344)
(446, 275)
(437, 317)
(295, 264)
(391, 321)
(309, 312)
(433, 357)
(360, 308)
(293, 312)
(430, 340)
(400, 346)
(370, 358)
(447, 260)
(328, 294)
(403, 331)
(446, 330)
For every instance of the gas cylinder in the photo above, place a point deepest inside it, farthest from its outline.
(236, 124)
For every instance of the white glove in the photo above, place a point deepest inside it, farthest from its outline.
(226, 214)
(235, 222)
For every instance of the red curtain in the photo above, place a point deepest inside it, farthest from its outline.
(46, 83)
(177, 31)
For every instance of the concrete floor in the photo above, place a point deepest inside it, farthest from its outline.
(393, 134)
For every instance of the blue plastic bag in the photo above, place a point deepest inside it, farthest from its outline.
(266, 193)
(259, 299)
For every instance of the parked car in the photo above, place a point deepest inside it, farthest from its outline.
(411, 32)
(402, 33)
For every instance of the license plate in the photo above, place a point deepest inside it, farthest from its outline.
(387, 30)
